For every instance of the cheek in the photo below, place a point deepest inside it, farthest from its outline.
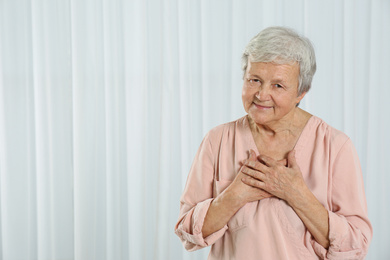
(285, 103)
(247, 98)
(245, 95)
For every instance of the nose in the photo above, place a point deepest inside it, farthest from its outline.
(264, 93)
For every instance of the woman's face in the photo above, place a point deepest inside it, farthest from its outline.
(270, 91)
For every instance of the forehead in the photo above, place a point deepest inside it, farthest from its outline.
(274, 70)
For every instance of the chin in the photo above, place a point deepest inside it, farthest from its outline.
(258, 119)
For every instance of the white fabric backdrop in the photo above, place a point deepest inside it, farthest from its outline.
(103, 104)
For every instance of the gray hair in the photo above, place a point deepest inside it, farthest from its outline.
(283, 45)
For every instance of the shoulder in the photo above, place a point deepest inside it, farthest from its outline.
(232, 126)
(331, 144)
(322, 130)
(226, 130)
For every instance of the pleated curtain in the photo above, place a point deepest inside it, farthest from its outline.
(103, 104)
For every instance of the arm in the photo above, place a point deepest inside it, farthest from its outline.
(196, 199)
(313, 215)
(343, 231)
(203, 219)
(225, 205)
(350, 231)
(221, 210)
(287, 183)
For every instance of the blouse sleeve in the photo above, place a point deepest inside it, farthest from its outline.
(196, 199)
(350, 231)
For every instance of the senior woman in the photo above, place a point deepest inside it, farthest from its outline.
(278, 183)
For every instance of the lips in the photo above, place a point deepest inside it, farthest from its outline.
(262, 106)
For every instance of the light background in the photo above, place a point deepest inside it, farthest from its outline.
(103, 104)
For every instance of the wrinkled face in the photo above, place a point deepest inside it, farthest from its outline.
(270, 91)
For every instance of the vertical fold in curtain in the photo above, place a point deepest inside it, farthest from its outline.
(14, 150)
(89, 123)
(36, 173)
(377, 126)
(169, 162)
(3, 157)
(99, 131)
(103, 104)
(52, 119)
(134, 37)
(116, 240)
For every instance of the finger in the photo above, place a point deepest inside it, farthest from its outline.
(268, 160)
(253, 182)
(252, 155)
(283, 162)
(256, 165)
(253, 173)
(291, 161)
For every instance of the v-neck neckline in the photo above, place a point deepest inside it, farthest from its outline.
(300, 143)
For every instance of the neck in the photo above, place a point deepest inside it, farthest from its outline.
(285, 126)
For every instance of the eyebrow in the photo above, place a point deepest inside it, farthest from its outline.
(274, 80)
(254, 75)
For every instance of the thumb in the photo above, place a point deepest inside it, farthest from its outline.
(291, 161)
(252, 155)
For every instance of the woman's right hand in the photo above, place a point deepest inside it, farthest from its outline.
(243, 192)
(226, 204)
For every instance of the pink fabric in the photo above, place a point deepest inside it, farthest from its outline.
(270, 229)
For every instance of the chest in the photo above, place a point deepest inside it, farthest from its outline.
(276, 148)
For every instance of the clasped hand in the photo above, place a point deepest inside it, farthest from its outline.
(267, 177)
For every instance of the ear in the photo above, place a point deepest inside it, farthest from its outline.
(299, 98)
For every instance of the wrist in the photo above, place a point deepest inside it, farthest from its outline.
(302, 199)
(299, 197)
(231, 199)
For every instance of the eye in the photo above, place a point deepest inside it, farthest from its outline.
(253, 82)
(278, 86)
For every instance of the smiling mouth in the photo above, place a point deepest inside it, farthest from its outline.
(262, 107)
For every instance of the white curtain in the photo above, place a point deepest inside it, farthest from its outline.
(103, 104)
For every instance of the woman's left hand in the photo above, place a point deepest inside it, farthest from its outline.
(274, 177)
(287, 183)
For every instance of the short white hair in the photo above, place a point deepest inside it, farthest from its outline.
(283, 45)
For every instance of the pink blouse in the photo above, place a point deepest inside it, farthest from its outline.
(269, 228)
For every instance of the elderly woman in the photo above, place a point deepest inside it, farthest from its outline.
(278, 183)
